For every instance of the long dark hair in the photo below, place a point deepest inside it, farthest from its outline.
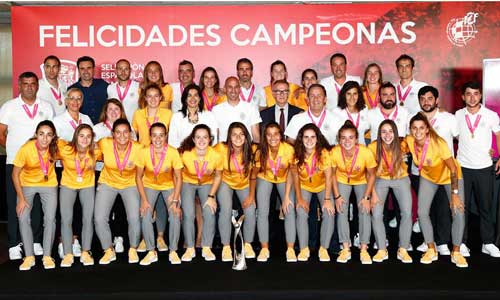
(247, 146)
(300, 149)
(394, 148)
(188, 143)
(432, 133)
(185, 95)
(342, 103)
(74, 140)
(102, 116)
(53, 143)
(264, 146)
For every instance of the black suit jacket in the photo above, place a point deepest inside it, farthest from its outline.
(267, 115)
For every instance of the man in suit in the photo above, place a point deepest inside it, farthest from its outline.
(282, 112)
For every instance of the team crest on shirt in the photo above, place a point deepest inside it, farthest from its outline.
(130, 164)
(357, 168)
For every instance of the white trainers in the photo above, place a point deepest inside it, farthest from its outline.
(375, 246)
(423, 247)
(464, 250)
(60, 250)
(356, 240)
(118, 243)
(393, 223)
(410, 248)
(77, 248)
(38, 249)
(416, 227)
(491, 250)
(443, 249)
(16, 252)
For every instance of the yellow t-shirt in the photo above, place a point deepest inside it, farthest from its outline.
(213, 162)
(31, 173)
(270, 98)
(168, 96)
(70, 177)
(110, 174)
(316, 182)
(140, 123)
(434, 168)
(373, 97)
(385, 171)
(286, 158)
(364, 160)
(165, 178)
(233, 178)
(300, 101)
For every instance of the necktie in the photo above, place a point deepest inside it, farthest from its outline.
(282, 119)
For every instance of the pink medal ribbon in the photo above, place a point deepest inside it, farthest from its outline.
(200, 171)
(337, 88)
(209, 103)
(79, 170)
(147, 119)
(181, 87)
(354, 158)
(472, 128)
(321, 118)
(433, 121)
(125, 92)
(387, 116)
(352, 120)
(106, 123)
(250, 96)
(275, 167)
(30, 114)
(157, 167)
(121, 165)
(75, 124)
(237, 165)
(402, 98)
(310, 170)
(57, 95)
(388, 164)
(44, 166)
(424, 153)
(373, 102)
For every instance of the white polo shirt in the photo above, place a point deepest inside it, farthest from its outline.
(362, 124)
(64, 125)
(258, 95)
(177, 92)
(101, 131)
(329, 128)
(130, 100)
(20, 128)
(47, 94)
(180, 127)
(473, 152)
(243, 112)
(399, 115)
(331, 92)
(411, 100)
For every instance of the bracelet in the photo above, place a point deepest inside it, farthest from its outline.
(327, 198)
(339, 196)
(211, 196)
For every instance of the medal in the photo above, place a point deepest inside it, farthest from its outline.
(79, 179)
(275, 167)
(388, 164)
(424, 153)
(472, 128)
(46, 177)
(354, 158)
(44, 166)
(157, 167)
(121, 165)
(237, 165)
(30, 114)
(321, 118)
(200, 171)
(57, 95)
(119, 91)
(75, 124)
(372, 102)
(156, 179)
(402, 98)
(310, 170)
(79, 170)
(250, 96)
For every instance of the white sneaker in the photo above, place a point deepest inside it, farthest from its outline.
(393, 223)
(60, 250)
(77, 248)
(351, 213)
(464, 250)
(491, 250)
(118, 243)
(410, 248)
(416, 227)
(356, 240)
(423, 247)
(443, 249)
(16, 252)
(375, 246)
(38, 249)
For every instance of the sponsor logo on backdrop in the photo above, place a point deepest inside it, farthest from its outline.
(461, 30)
(68, 72)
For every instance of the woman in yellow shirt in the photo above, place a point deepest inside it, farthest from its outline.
(33, 174)
(236, 155)
(78, 178)
(371, 84)
(391, 173)
(210, 88)
(272, 161)
(299, 99)
(202, 174)
(278, 72)
(121, 155)
(437, 167)
(311, 174)
(353, 168)
(153, 74)
(159, 172)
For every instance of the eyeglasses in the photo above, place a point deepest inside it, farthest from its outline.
(281, 92)
(80, 99)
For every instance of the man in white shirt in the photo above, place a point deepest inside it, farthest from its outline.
(18, 120)
(186, 77)
(328, 122)
(408, 87)
(249, 91)
(235, 110)
(333, 84)
(50, 87)
(125, 89)
(476, 123)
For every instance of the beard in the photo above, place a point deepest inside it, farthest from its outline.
(430, 109)
(388, 104)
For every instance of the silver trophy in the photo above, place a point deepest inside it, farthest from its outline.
(239, 263)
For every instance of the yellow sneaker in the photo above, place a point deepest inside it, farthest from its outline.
(227, 254)
(174, 258)
(429, 256)
(109, 256)
(150, 258)
(189, 254)
(67, 261)
(365, 258)
(48, 262)
(381, 256)
(28, 262)
(249, 253)
(142, 246)
(404, 257)
(263, 255)
(458, 259)
(344, 256)
(133, 258)
(304, 254)
(323, 255)
(290, 255)
(86, 259)
(207, 253)
(161, 245)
